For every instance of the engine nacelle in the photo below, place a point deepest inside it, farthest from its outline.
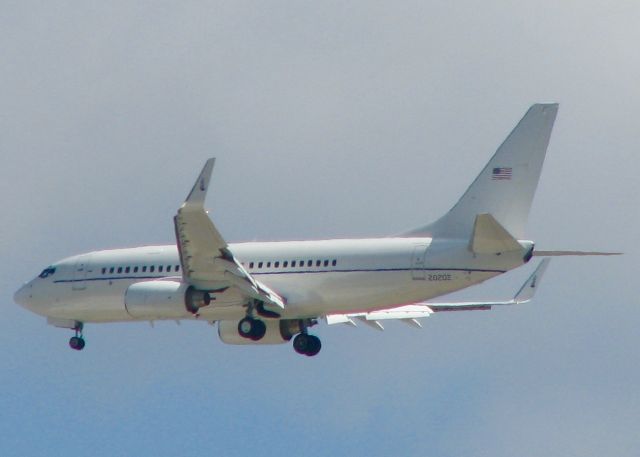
(278, 331)
(155, 300)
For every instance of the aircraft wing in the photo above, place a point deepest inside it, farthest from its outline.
(207, 262)
(410, 314)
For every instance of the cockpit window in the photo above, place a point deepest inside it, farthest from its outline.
(49, 271)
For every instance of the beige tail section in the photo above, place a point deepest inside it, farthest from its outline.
(489, 237)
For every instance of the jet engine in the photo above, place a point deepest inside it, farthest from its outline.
(278, 331)
(164, 300)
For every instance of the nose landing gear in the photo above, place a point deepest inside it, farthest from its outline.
(77, 342)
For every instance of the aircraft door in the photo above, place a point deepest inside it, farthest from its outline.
(80, 271)
(418, 262)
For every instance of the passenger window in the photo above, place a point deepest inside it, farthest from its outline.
(334, 262)
(177, 267)
(111, 270)
(168, 268)
(276, 265)
(318, 263)
(309, 263)
(268, 264)
(160, 269)
(104, 271)
(144, 269)
(293, 264)
(152, 268)
(135, 269)
(127, 270)
(259, 264)
(284, 264)
(251, 265)
(326, 263)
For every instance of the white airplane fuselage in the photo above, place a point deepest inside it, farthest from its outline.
(315, 277)
(273, 292)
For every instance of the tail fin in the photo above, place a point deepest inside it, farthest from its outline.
(506, 185)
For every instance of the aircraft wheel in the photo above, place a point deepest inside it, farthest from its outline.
(77, 343)
(314, 346)
(245, 326)
(259, 330)
(305, 344)
(252, 329)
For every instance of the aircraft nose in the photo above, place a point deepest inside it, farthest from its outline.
(22, 295)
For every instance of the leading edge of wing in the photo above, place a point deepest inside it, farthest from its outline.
(409, 313)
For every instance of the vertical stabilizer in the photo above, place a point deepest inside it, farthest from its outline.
(506, 185)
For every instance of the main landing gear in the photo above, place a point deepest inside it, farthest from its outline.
(306, 344)
(77, 342)
(281, 331)
(251, 328)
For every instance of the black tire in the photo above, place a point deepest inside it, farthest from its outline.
(77, 343)
(245, 327)
(252, 329)
(259, 330)
(301, 343)
(314, 346)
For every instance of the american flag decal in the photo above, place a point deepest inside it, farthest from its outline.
(501, 174)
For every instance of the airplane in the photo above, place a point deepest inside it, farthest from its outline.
(273, 292)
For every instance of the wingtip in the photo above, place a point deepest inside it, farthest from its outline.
(528, 289)
(199, 191)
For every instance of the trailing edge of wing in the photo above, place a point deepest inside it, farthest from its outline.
(410, 313)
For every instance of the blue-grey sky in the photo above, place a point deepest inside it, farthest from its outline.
(328, 119)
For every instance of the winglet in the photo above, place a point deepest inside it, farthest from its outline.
(199, 190)
(529, 287)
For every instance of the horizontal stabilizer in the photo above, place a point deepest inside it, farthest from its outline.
(489, 237)
(571, 253)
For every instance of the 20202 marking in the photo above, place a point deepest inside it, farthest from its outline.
(439, 277)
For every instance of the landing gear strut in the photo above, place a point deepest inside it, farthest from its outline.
(77, 342)
(251, 328)
(306, 344)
